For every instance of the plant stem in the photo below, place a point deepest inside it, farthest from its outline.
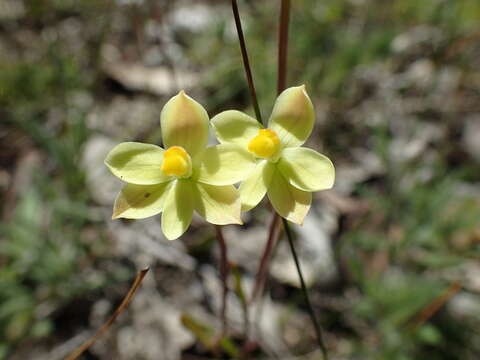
(281, 85)
(223, 275)
(311, 312)
(246, 62)
(283, 45)
(273, 234)
(106, 326)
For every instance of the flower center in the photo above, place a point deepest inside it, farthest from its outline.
(265, 144)
(176, 161)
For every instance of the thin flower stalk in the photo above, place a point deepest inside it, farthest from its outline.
(246, 62)
(224, 271)
(260, 278)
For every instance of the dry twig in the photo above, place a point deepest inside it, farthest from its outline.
(126, 301)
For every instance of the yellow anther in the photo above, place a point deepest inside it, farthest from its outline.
(176, 161)
(265, 144)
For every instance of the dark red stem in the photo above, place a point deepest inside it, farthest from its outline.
(224, 269)
(273, 234)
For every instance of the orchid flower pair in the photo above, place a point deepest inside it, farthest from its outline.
(188, 175)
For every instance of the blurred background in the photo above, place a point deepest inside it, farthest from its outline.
(391, 254)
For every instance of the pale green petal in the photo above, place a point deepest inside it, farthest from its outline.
(306, 169)
(137, 163)
(233, 126)
(253, 189)
(219, 205)
(288, 201)
(224, 164)
(140, 201)
(178, 209)
(292, 116)
(184, 123)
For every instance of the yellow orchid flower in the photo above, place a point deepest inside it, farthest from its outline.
(284, 170)
(184, 177)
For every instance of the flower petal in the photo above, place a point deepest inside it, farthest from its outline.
(292, 116)
(184, 123)
(137, 163)
(219, 205)
(253, 189)
(233, 126)
(178, 209)
(224, 164)
(306, 169)
(288, 201)
(140, 201)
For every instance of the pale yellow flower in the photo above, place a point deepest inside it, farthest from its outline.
(284, 170)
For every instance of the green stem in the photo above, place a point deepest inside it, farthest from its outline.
(246, 62)
(311, 312)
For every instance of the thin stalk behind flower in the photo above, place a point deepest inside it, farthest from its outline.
(283, 46)
(273, 235)
(246, 62)
(316, 325)
(224, 270)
